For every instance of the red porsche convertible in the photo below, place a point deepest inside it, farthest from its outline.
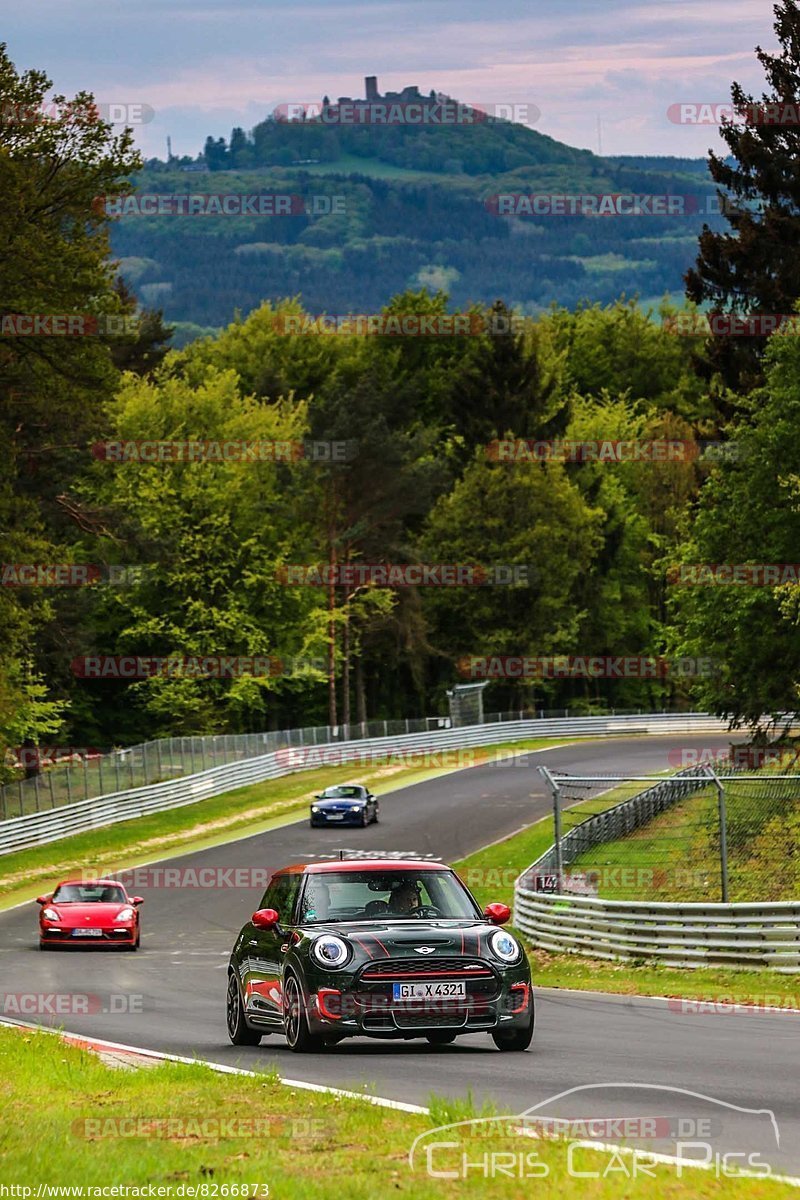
(95, 912)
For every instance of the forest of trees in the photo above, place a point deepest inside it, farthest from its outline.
(194, 556)
(394, 234)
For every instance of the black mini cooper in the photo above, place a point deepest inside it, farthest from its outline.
(377, 948)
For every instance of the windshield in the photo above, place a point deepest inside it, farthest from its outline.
(342, 792)
(89, 893)
(388, 895)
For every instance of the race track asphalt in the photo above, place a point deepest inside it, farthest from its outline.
(170, 996)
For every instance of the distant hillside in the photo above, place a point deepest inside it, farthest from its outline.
(388, 208)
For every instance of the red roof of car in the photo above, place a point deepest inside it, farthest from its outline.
(365, 864)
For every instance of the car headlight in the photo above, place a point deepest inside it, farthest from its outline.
(356, 807)
(330, 951)
(50, 914)
(315, 808)
(125, 914)
(505, 947)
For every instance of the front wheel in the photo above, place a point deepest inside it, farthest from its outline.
(238, 1031)
(514, 1039)
(298, 1035)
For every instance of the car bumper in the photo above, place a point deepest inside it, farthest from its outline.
(355, 818)
(65, 938)
(355, 1014)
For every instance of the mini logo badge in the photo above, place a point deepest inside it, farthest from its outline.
(424, 949)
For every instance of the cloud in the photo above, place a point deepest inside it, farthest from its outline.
(205, 65)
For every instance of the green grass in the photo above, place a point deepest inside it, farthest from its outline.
(202, 1129)
(221, 819)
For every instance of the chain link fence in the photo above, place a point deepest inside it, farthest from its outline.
(703, 835)
(87, 775)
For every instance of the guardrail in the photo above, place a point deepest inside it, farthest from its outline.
(744, 935)
(39, 828)
(678, 935)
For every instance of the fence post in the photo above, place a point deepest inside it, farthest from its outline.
(723, 832)
(556, 791)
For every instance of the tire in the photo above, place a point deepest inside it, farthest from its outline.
(43, 946)
(238, 1031)
(135, 945)
(298, 1036)
(441, 1038)
(514, 1039)
(375, 818)
(364, 820)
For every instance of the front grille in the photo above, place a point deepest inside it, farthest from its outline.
(423, 968)
(448, 1020)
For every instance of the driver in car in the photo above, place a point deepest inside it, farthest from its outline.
(405, 898)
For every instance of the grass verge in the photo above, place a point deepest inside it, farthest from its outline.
(237, 814)
(178, 1126)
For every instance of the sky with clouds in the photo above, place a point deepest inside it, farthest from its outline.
(204, 66)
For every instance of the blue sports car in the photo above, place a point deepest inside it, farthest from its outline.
(344, 804)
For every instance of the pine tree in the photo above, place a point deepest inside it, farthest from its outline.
(755, 267)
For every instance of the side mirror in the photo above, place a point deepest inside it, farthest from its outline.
(137, 900)
(43, 899)
(497, 913)
(265, 918)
